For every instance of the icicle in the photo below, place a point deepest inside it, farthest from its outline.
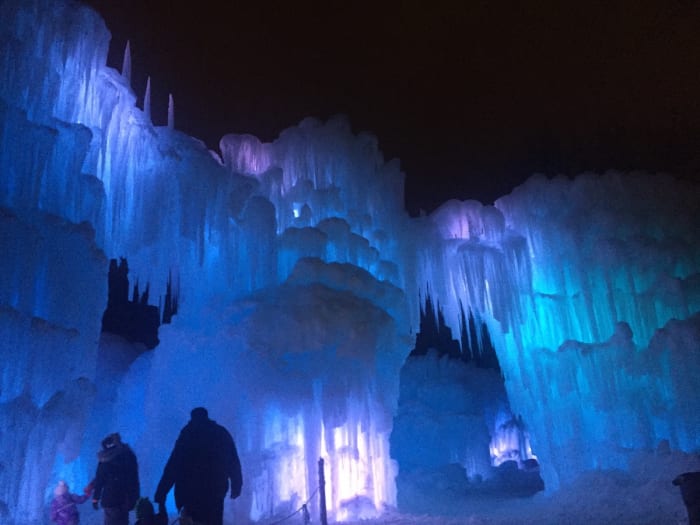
(147, 100)
(126, 65)
(171, 112)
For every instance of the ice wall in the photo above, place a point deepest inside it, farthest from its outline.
(590, 287)
(259, 255)
(334, 196)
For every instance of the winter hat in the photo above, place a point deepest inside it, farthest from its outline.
(61, 489)
(111, 441)
(144, 508)
(199, 414)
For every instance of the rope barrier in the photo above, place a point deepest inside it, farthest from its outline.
(300, 509)
(185, 520)
(303, 508)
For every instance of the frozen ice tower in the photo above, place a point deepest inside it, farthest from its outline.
(126, 66)
(147, 100)
(300, 281)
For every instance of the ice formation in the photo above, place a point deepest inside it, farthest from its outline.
(300, 281)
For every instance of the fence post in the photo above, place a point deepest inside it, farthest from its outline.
(322, 492)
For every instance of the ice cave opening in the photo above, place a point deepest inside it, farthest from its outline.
(290, 283)
(453, 396)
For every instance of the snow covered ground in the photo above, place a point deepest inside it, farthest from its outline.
(644, 496)
(598, 499)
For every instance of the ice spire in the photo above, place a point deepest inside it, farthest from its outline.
(126, 65)
(147, 99)
(171, 112)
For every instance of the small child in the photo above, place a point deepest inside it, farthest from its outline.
(145, 513)
(64, 510)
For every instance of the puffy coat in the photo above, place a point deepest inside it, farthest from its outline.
(117, 477)
(64, 510)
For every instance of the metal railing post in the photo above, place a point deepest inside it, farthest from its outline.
(322, 492)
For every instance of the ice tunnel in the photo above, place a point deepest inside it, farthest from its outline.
(300, 280)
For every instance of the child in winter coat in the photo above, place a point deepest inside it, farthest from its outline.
(64, 510)
(145, 513)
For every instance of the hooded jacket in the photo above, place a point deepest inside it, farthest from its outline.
(117, 477)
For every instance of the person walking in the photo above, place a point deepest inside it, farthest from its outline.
(116, 482)
(203, 466)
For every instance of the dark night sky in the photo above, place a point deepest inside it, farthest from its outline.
(472, 96)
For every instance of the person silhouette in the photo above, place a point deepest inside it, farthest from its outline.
(64, 508)
(201, 465)
(689, 483)
(116, 483)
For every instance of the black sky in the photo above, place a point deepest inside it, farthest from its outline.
(472, 96)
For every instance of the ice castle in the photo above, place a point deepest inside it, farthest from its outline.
(300, 281)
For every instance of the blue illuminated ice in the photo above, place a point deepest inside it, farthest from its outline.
(301, 278)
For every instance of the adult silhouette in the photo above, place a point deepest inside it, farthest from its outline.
(203, 462)
(116, 483)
